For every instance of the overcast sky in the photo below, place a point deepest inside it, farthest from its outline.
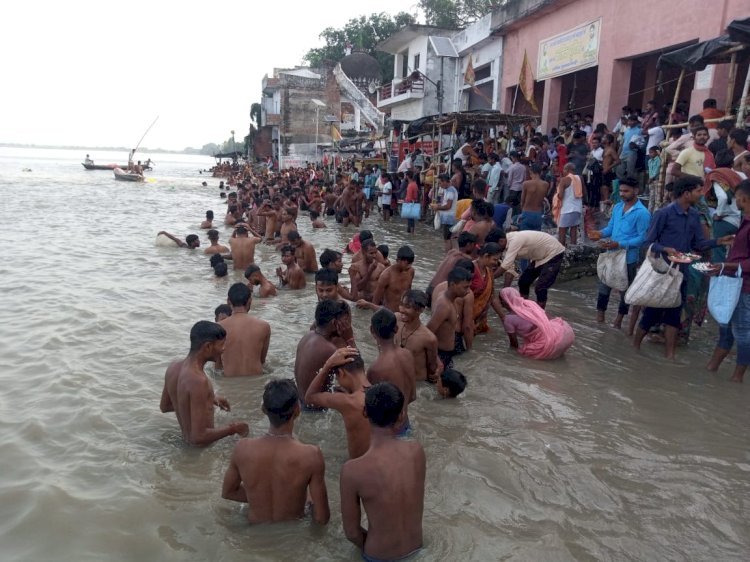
(98, 73)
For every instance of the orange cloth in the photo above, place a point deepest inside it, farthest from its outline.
(575, 181)
(712, 113)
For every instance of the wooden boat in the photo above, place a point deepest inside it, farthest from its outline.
(108, 166)
(102, 166)
(122, 175)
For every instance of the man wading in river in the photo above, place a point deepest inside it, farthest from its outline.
(189, 394)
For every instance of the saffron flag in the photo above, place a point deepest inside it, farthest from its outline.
(526, 82)
(469, 75)
(335, 134)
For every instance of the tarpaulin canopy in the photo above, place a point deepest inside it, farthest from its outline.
(229, 155)
(699, 56)
(481, 117)
(739, 30)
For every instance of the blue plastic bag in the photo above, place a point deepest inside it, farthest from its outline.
(723, 295)
(411, 210)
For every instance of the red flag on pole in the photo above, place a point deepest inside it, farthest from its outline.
(526, 82)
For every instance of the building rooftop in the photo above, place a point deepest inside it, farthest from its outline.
(399, 40)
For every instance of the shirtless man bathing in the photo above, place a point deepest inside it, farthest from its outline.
(275, 474)
(189, 394)
(351, 377)
(388, 481)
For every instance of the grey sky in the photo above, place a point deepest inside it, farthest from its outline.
(97, 73)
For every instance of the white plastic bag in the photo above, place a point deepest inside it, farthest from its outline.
(657, 284)
(723, 295)
(612, 269)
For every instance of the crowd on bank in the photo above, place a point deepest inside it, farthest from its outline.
(493, 201)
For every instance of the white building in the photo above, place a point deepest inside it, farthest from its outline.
(426, 58)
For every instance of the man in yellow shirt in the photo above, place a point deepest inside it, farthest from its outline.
(692, 160)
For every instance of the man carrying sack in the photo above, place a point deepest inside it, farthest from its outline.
(627, 229)
(675, 229)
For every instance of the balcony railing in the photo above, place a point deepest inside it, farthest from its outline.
(407, 85)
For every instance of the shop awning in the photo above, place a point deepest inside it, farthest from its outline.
(699, 56)
(229, 155)
(481, 117)
(739, 31)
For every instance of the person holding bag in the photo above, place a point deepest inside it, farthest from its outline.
(627, 228)
(737, 264)
(411, 210)
(675, 229)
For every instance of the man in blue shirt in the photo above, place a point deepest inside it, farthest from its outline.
(675, 229)
(632, 134)
(627, 230)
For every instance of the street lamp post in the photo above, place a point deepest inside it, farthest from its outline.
(234, 149)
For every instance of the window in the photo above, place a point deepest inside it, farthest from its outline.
(416, 62)
(482, 72)
(404, 64)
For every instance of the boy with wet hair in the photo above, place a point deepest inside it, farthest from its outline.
(293, 277)
(208, 223)
(326, 284)
(393, 364)
(221, 269)
(258, 282)
(451, 383)
(188, 391)
(222, 311)
(277, 461)
(316, 221)
(351, 377)
(393, 282)
(248, 337)
(191, 240)
(215, 247)
(388, 481)
(415, 337)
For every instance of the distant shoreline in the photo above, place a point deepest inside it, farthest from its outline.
(194, 151)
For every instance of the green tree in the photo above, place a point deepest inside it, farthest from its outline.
(457, 13)
(364, 33)
(255, 113)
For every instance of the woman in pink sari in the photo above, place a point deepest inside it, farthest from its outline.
(542, 338)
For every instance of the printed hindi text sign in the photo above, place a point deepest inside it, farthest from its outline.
(567, 52)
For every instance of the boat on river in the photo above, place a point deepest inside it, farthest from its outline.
(122, 175)
(108, 166)
(102, 166)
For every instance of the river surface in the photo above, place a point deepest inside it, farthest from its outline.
(603, 455)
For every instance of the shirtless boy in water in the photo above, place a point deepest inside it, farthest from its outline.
(248, 337)
(351, 377)
(395, 280)
(365, 273)
(444, 315)
(388, 481)
(255, 278)
(393, 363)
(189, 394)
(215, 247)
(304, 251)
(415, 337)
(275, 473)
(293, 277)
(191, 240)
(242, 247)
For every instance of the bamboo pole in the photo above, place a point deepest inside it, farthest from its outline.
(656, 199)
(743, 102)
(730, 83)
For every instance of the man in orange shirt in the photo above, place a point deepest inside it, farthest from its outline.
(710, 112)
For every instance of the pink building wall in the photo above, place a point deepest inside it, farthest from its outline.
(629, 29)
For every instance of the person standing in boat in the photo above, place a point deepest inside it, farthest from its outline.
(130, 160)
(88, 161)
